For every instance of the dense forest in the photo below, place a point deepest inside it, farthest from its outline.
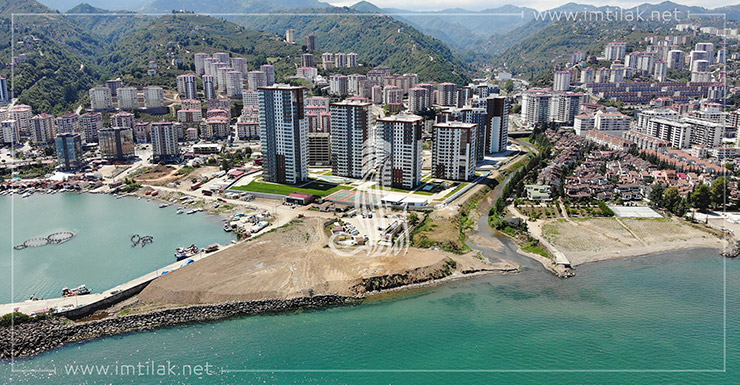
(377, 39)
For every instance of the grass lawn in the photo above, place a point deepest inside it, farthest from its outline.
(314, 187)
(458, 188)
(536, 250)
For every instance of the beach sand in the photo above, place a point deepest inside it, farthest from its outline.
(596, 239)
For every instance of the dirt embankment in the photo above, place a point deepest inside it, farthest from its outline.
(295, 261)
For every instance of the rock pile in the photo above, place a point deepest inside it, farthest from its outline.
(34, 338)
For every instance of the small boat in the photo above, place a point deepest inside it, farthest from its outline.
(193, 211)
(211, 248)
(227, 228)
(163, 205)
(80, 290)
(186, 252)
(26, 195)
(180, 211)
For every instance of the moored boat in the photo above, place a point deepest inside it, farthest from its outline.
(79, 290)
(186, 252)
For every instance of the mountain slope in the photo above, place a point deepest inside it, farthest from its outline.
(179, 36)
(539, 46)
(377, 39)
(66, 5)
(460, 29)
(60, 55)
(110, 28)
(231, 6)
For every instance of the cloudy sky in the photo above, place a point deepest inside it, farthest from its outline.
(431, 5)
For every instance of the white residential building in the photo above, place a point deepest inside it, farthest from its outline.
(351, 147)
(187, 86)
(283, 133)
(100, 99)
(127, 98)
(398, 150)
(153, 97)
(454, 150)
(164, 137)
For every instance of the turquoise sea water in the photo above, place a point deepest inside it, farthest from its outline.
(624, 322)
(100, 256)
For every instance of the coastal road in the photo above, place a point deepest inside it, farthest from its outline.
(282, 213)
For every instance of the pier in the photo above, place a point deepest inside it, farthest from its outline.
(89, 303)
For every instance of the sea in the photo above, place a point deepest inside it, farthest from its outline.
(101, 255)
(669, 318)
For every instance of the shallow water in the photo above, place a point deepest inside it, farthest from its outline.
(638, 320)
(101, 255)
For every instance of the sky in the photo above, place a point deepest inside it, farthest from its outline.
(476, 5)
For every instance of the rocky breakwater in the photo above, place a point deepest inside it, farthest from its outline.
(33, 338)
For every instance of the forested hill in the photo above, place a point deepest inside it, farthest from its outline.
(179, 36)
(60, 56)
(377, 39)
(64, 56)
(108, 26)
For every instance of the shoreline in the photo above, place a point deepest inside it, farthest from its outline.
(58, 332)
(649, 255)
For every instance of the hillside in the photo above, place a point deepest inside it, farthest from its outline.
(537, 47)
(110, 28)
(377, 39)
(60, 63)
(459, 28)
(232, 6)
(180, 36)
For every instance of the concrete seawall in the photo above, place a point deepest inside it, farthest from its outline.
(89, 309)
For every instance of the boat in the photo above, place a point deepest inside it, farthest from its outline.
(186, 252)
(211, 248)
(180, 211)
(26, 195)
(80, 290)
(193, 211)
(227, 228)
(163, 205)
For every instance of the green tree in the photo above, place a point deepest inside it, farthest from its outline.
(701, 198)
(656, 195)
(413, 219)
(719, 192)
(509, 86)
(671, 199)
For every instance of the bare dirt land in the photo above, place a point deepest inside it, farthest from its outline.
(293, 261)
(158, 175)
(603, 238)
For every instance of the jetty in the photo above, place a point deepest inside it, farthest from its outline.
(82, 305)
